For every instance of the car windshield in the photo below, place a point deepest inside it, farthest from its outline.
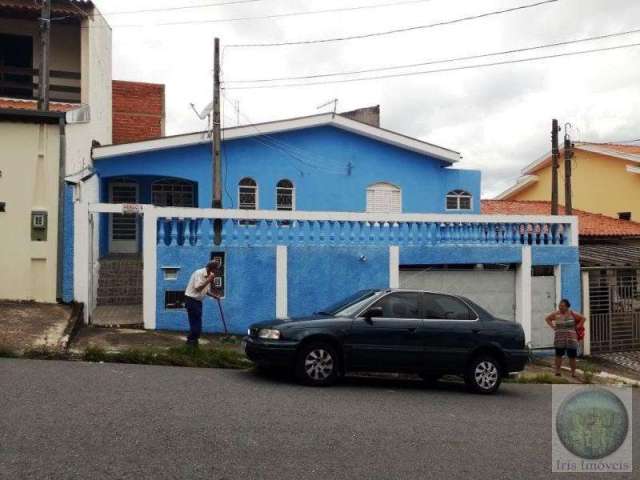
(351, 304)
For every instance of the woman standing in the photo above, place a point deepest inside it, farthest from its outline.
(565, 322)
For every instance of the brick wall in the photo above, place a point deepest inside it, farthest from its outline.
(138, 111)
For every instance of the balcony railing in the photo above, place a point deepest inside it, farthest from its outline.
(186, 227)
(19, 82)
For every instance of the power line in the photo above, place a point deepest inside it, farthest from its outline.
(291, 150)
(451, 69)
(394, 31)
(433, 62)
(280, 15)
(184, 7)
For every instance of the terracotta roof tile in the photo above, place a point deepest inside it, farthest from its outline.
(591, 224)
(66, 7)
(17, 104)
(635, 149)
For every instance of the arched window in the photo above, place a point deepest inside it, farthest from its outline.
(384, 198)
(285, 195)
(173, 193)
(248, 194)
(459, 200)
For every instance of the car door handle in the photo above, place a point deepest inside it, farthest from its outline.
(412, 329)
(475, 330)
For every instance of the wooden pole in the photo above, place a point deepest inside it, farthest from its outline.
(555, 154)
(568, 155)
(43, 73)
(217, 161)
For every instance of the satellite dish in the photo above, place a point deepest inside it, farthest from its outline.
(205, 112)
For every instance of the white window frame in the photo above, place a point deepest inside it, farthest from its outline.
(387, 188)
(256, 191)
(293, 195)
(175, 181)
(458, 194)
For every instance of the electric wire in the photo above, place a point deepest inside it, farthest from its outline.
(183, 7)
(441, 70)
(396, 30)
(435, 62)
(297, 154)
(278, 15)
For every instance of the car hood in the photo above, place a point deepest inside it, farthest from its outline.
(297, 321)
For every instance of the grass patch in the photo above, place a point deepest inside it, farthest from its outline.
(177, 356)
(6, 352)
(544, 378)
(45, 353)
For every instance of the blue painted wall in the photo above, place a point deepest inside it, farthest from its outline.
(460, 255)
(330, 168)
(250, 295)
(68, 249)
(320, 276)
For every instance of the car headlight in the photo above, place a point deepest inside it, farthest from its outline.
(269, 334)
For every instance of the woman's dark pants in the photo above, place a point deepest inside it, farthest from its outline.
(194, 311)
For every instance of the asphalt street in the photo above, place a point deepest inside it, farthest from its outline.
(72, 420)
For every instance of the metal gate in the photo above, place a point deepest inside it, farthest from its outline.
(615, 310)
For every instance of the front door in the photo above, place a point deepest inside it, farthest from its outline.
(123, 228)
(389, 342)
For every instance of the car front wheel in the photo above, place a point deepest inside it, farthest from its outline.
(317, 364)
(484, 374)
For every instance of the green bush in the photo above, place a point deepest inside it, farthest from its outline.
(178, 356)
(6, 352)
(45, 353)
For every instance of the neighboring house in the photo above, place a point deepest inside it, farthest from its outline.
(606, 179)
(46, 165)
(314, 208)
(610, 262)
(41, 149)
(138, 111)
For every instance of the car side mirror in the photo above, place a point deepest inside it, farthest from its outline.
(373, 312)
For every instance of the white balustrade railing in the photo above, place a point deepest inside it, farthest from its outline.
(186, 227)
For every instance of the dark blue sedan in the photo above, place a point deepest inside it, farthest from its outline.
(432, 334)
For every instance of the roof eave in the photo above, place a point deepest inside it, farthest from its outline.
(261, 129)
(523, 183)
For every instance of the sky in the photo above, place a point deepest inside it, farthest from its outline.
(498, 117)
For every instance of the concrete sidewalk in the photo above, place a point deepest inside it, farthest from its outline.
(120, 339)
(30, 325)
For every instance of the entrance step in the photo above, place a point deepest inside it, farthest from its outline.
(120, 281)
(117, 316)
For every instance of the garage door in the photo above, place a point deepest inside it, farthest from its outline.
(495, 290)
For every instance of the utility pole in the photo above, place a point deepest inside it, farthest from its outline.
(217, 161)
(43, 73)
(555, 154)
(568, 155)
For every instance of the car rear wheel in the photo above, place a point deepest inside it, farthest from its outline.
(317, 364)
(484, 374)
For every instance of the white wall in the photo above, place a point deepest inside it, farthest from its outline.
(96, 93)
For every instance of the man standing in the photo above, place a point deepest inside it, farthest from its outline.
(196, 290)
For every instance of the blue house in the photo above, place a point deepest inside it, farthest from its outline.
(314, 208)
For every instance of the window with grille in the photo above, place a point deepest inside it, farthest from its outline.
(384, 198)
(174, 299)
(459, 200)
(248, 194)
(247, 197)
(173, 193)
(285, 198)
